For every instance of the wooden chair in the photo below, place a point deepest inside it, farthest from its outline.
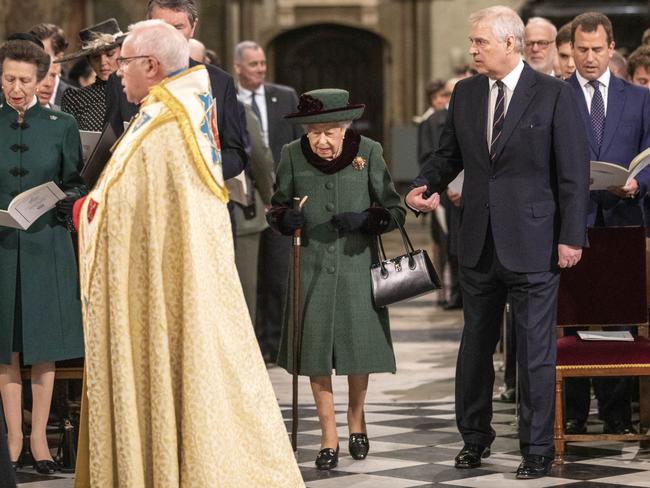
(607, 288)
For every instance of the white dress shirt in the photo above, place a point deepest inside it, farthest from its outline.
(246, 96)
(510, 82)
(588, 90)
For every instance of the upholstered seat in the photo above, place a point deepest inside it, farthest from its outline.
(606, 289)
(573, 351)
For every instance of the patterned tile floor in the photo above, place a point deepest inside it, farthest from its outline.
(410, 417)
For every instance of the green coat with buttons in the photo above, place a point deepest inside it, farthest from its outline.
(46, 147)
(342, 329)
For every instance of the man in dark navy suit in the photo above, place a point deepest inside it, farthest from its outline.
(616, 119)
(517, 135)
(183, 15)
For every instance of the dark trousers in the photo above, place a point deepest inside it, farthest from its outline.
(533, 297)
(272, 286)
(455, 297)
(7, 479)
(614, 399)
(510, 369)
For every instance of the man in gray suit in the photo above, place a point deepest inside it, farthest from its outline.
(270, 103)
(250, 218)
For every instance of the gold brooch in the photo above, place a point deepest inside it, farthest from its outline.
(359, 163)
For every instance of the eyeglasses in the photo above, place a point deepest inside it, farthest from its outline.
(540, 44)
(124, 62)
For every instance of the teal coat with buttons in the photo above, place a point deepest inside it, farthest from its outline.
(342, 329)
(46, 147)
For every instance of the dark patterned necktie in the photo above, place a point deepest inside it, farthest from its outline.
(597, 112)
(256, 109)
(497, 120)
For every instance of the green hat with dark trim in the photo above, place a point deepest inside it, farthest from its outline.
(325, 105)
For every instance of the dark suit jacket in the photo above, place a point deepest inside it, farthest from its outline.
(429, 134)
(535, 193)
(229, 118)
(280, 101)
(63, 86)
(627, 133)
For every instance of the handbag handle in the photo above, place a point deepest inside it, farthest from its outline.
(408, 247)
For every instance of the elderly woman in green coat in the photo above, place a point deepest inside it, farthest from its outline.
(351, 199)
(40, 312)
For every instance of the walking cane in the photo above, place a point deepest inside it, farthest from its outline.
(297, 325)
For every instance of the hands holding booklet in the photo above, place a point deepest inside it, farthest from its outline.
(604, 176)
(26, 208)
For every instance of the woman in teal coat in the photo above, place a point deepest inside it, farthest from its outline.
(40, 312)
(351, 199)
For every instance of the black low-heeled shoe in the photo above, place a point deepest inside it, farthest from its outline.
(46, 466)
(327, 458)
(358, 445)
(18, 463)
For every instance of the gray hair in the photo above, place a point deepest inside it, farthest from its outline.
(241, 47)
(543, 22)
(504, 22)
(160, 40)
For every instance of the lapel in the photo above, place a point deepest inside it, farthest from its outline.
(521, 98)
(584, 112)
(615, 104)
(271, 104)
(481, 103)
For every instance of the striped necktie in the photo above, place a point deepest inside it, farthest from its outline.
(497, 120)
(255, 107)
(597, 112)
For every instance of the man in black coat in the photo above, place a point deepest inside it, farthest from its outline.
(517, 135)
(183, 15)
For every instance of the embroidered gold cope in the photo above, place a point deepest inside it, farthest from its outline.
(176, 391)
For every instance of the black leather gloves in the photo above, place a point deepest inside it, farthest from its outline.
(292, 220)
(350, 221)
(64, 211)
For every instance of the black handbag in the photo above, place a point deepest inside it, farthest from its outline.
(406, 276)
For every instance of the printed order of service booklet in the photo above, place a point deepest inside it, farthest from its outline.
(26, 208)
(603, 175)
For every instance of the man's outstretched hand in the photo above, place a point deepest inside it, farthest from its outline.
(416, 200)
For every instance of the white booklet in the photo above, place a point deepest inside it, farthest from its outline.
(89, 140)
(603, 175)
(457, 183)
(26, 208)
(606, 335)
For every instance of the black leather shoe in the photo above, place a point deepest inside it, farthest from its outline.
(534, 466)
(573, 427)
(508, 396)
(470, 456)
(359, 446)
(618, 428)
(327, 458)
(45, 467)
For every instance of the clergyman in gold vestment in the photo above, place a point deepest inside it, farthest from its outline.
(177, 394)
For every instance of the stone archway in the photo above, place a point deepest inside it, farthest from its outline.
(335, 56)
